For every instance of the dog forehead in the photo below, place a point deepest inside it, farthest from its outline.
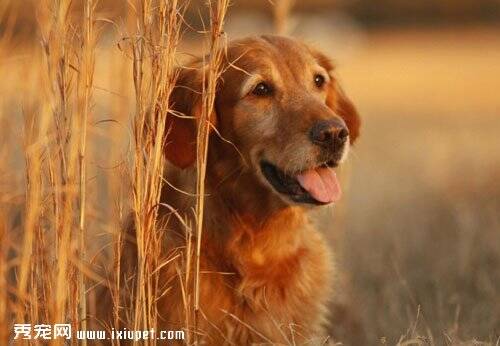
(259, 53)
(281, 61)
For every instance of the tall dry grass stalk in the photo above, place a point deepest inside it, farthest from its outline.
(4, 270)
(4, 299)
(50, 284)
(153, 48)
(30, 284)
(85, 79)
(211, 76)
(7, 25)
(281, 12)
(60, 55)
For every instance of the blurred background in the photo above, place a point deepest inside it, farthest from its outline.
(418, 233)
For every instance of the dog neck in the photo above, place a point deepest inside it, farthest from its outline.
(243, 220)
(257, 228)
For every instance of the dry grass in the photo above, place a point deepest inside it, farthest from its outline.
(82, 117)
(50, 269)
(153, 48)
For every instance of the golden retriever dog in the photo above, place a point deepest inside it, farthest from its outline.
(281, 126)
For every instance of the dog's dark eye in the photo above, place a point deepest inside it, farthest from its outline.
(262, 89)
(319, 80)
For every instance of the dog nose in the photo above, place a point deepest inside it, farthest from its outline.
(329, 133)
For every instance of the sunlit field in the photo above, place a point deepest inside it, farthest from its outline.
(421, 229)
(417, 234)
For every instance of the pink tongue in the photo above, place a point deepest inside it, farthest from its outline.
(321, 183)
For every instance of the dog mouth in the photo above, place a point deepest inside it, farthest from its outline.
(318, 185)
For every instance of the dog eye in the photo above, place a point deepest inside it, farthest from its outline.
(262, 89)
(319, 80)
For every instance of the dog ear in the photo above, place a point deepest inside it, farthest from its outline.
(182, 121)
(337, 100)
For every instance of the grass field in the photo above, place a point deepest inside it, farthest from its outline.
(417, 235)
(421, 230)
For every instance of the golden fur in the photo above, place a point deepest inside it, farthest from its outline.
(266, 272)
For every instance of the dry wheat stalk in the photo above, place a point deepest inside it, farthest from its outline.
(211, 76)
(153, 48)
(85, 83)
(281, 12)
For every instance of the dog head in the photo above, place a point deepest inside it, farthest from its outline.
(278, 103)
